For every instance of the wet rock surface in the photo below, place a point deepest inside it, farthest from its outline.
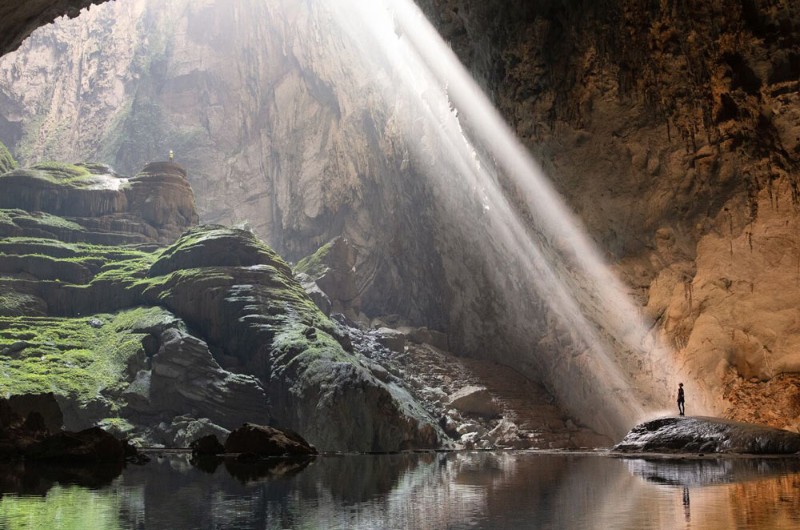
(707, 435)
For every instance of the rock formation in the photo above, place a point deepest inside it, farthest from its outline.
(707, 435)
(154, 206)
(152, 342)
(671, 129)
(261, 440)
(19, 19)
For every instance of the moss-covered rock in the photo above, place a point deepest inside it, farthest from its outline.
(213, 327)
(77, 358)
(68, 326)
(90, 202)
(7, 162)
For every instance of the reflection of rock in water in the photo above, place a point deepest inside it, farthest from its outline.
(707, 472)
(248, 470)
(707, 435)
(36, 478)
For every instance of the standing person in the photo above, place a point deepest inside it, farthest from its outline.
(680, 399)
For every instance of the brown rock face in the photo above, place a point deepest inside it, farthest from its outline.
(671, 129)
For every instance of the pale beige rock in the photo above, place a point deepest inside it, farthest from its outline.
(474, 400)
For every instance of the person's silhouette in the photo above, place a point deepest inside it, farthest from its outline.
(681, 399)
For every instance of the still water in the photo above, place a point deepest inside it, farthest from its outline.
(416, 490)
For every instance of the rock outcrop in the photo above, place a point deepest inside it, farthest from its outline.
(671, 141)
(155, 206)
(184, 377)
(261, 440)
(19, 19)
(707, 435)
(202, 336)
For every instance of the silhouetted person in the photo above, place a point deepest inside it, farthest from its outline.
(171, 155)
(680, 399)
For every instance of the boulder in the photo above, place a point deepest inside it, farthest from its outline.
(185, 377)
(89, 445)
(208, 445)
(263, 440)
(392, 339)
(43, 404)
(423, 335)
(707, 435)
(474, 400)
(187, 430)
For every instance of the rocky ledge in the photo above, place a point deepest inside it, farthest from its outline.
(166, 344)
(95, 204)
(707, 435)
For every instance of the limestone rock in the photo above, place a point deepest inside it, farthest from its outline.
(184, 430)
(20, 19)
(437, 339)
(250, 306)
(208, 445)
(317, 295)
(185, 377)
(101, 206)
(474, 400)
(707, 435)
(267, 441)
(391, 338)
(332, 268)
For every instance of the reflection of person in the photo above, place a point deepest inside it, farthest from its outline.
(686, 510)
(680, 399)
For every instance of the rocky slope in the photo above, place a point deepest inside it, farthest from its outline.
(671, 129)
(167, 344)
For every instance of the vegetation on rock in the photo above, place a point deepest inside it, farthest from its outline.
(7, 162)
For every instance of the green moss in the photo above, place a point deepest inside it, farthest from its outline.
(304, 344)
(13, 303)
(117, 426)
(314, 265)
(71, 356)
(60, 172)
(7, 162)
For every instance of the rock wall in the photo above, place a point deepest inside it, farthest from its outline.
(672, 130)
(291, 140)
(670, 127)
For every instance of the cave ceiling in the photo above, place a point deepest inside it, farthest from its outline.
(19, 19)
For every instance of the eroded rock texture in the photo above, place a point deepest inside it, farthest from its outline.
(670, 127)
(201, 336)
(19, 19)
(707, 435)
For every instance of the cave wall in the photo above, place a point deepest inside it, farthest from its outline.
(671, 128)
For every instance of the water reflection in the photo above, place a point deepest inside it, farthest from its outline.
(425, 490)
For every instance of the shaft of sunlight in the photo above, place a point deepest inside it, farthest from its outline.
(616, 372)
